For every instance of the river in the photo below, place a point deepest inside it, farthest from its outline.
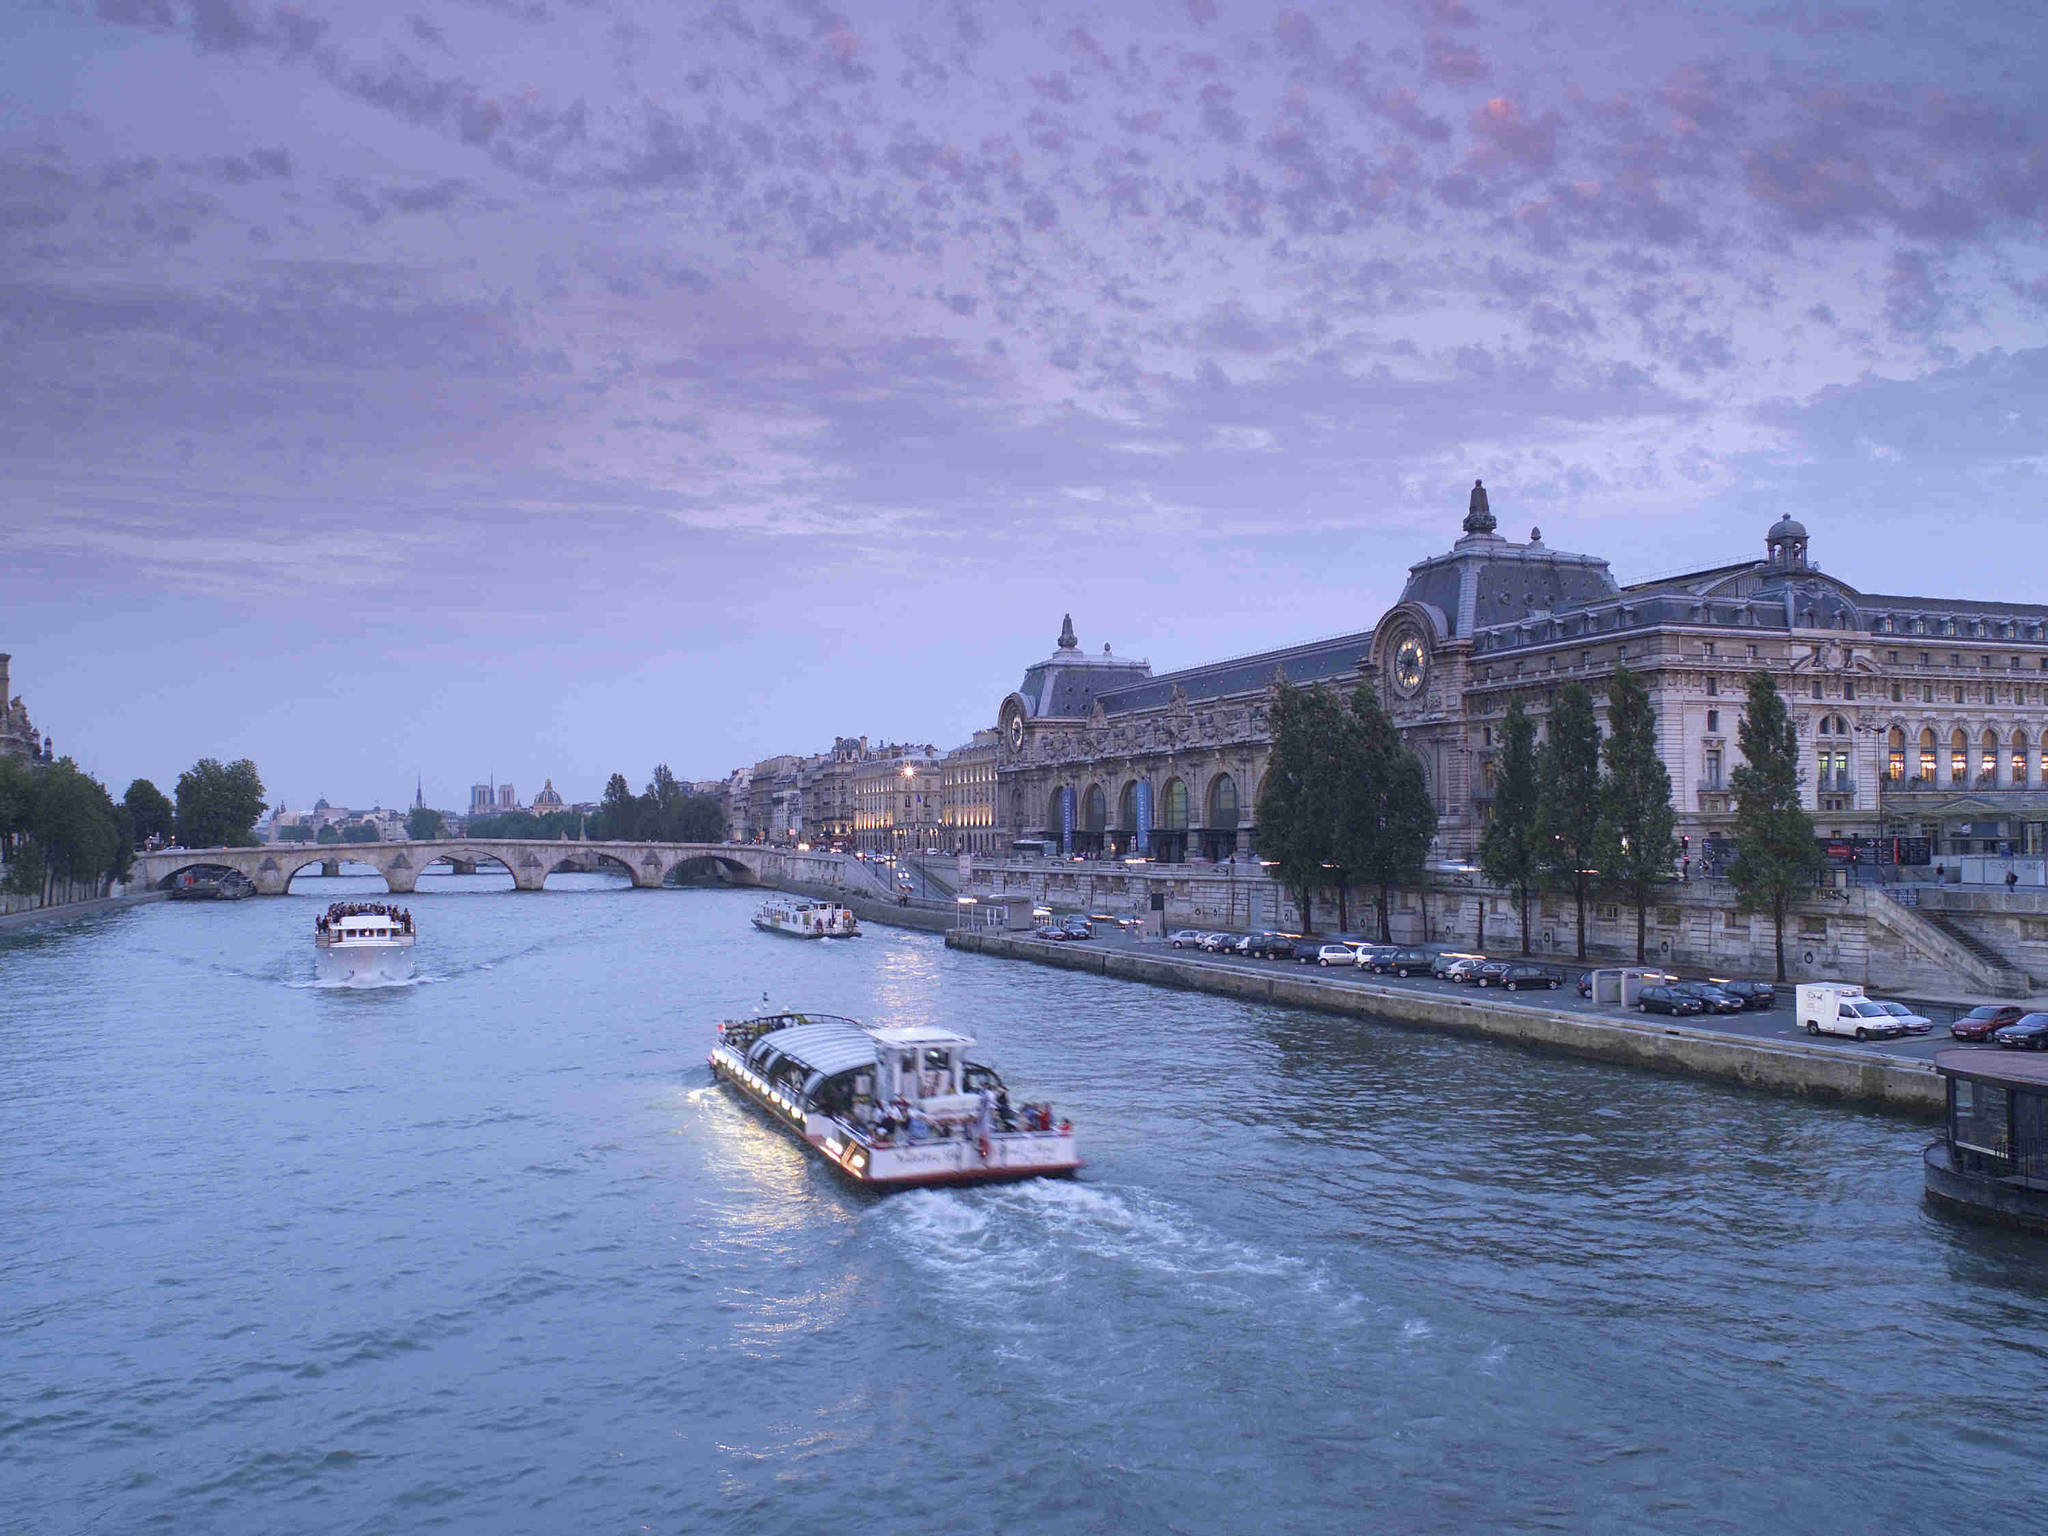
(490, 1253)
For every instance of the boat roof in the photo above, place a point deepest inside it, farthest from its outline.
(921, 1034)
(827, 1048)
(368, 920)
(2026, 1069)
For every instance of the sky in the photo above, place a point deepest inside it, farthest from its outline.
(522, 389)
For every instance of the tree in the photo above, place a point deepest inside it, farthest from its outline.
(295, 832)
(329, 833)
(1638, 841)
(361, 832)
(74, 832)
(422, 824)
(1386, 818)
(1298, 804)
(618, 814)
(1776, 858)
(1568, 799)
(150, 812)
(1508, 851)
(218, 806)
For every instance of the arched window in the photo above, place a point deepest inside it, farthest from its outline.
(1895, 755)
(1987, 758)
(1173, 807)
(1927, 754)
(1127, 808)
(2019, 757)
(1094, 809)
(1958, 757)
(1222, 814)
(1052, 814)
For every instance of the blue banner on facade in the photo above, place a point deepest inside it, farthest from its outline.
(1067, 820)
(1144, 827)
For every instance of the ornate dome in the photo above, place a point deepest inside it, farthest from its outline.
(1785, 528)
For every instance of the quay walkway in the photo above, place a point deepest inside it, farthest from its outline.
(1760, 1050)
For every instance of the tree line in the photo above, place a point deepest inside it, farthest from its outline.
(667, 811)
(1579, 814)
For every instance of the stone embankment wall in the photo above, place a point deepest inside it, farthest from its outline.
(86, 906)
(1694, 926)
(1790, 1067)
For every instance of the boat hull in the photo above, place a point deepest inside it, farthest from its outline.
(1012, 1155)
(364, 965)
(799, 933)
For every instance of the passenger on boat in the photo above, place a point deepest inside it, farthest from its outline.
(985, 1122)
(1009, 1121)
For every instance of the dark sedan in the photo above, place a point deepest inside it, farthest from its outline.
(1979, 1023)
(1524, 976)
(2028, 1033)
(1402, 962)
(1270, 946)
(1754, 994)
(1490, 973)
(1669, 999)
(1713, 999)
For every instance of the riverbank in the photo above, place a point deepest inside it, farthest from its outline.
(1836, 1072)
(36, 916)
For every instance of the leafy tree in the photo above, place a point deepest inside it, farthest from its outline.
(423, 824)
(296, 832)
(1386, 818)
(218, 806)
(1638, 841)
(329, 833)
(1298, 806)
(73, 832)
(554, 826)
(1776, 857)
(618, 813)
(1568, 815)
(1508, 852)
(150, 812)
(361, 832)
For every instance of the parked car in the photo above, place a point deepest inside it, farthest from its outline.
(1270, 946)
(1523, 975)
(1585, 983)
(1913, 1023)
(1337, 954)
(1308, 951)
(1440, 966)
(1216, 943)
(1402, 962)
(1460, 968)
(1185, 938)
(2027, 1033)
(1755, 995)
(1666, 998)
(1489, 973)
(1982, 1023)
(1053, 933)
(1077, 927)
(1367, 953)
(1713, 999)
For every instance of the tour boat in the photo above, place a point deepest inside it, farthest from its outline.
(890, 1108)
(363, 942)
(802, 918)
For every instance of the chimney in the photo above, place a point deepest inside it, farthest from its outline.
(4, 694)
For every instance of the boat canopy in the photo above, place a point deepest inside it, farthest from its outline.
(827, 1049)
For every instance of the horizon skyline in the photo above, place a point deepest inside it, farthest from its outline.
(610, 384)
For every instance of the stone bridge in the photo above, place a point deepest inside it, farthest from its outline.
(271, 866)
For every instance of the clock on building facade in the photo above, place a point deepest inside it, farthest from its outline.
(1411, 664)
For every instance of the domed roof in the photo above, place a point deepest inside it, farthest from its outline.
(1787, 527)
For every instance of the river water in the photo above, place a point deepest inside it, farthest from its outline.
(490, 1253)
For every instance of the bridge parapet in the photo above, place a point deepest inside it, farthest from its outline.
(271, 866)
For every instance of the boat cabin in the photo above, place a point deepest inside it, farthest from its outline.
(1993, 1157)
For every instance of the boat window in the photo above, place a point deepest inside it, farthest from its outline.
(1978, 1117)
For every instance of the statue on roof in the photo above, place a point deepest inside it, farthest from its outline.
(1478, 515)
(1067, 640)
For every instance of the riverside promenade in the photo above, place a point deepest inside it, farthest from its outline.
(1896, 1079)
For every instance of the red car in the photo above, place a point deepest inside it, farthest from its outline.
(1978, 1023)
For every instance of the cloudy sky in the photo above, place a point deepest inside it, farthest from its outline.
(544, 387)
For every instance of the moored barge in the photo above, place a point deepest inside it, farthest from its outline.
(1992, 1162)
(803, 918)
(890, 1108)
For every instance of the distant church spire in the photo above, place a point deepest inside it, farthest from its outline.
(1478, 515)
(419, 794)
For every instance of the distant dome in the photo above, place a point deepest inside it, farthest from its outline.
(322, 805)
(1785, 528)
(548, 795)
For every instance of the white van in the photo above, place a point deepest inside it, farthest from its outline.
(1840, 1008)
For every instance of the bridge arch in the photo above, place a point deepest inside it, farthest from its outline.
(201, 869)
(709, 868)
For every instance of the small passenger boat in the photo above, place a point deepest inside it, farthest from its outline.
(803, 918)
(363, 941)
(890, 1108)
(1992, 1159)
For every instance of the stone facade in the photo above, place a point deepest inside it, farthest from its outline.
(896, 793)
(967, 797)
(18, 738)
(1921, 717)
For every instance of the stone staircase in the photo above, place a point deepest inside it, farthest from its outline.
(2014, 981)
(1939, 938)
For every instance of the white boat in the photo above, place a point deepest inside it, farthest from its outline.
(890, 1108)
(363, 943)
(803, 918)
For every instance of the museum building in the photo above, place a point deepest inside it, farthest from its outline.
(1921, 719)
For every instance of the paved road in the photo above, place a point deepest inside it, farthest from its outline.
(1773, 1024)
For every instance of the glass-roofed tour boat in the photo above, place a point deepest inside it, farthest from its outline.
(806, 918)
(890, 1108)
